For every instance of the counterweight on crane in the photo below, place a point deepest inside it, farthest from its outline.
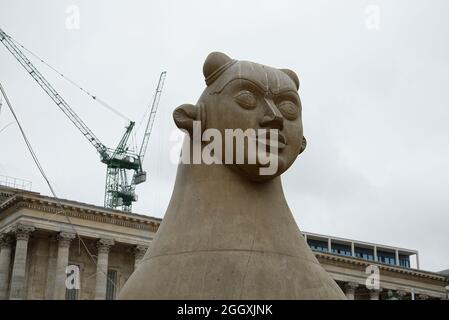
(119, 191)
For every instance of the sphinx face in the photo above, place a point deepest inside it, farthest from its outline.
(260, 98)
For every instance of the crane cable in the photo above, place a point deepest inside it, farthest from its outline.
(27, 142)
(11, 123)
(96, 98)
(41, 170)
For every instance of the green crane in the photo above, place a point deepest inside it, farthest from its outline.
(119, 189)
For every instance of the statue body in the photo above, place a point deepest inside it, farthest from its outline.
(228, 232)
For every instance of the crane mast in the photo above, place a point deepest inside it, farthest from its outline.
(119, 192)
(141, 176)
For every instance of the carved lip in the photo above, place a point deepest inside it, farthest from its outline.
(267, 141)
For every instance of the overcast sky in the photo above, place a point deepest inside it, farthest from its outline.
(374, 88)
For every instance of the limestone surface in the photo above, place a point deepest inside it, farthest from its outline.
(228, 232)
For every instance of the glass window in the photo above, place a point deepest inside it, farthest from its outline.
(341, 249)
(404, 262)
(71, 294)
(111, 284)
(317, 245)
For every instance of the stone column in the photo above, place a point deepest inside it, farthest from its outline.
(5, 263)
(64, 239)
(103, 246)
(139, 252)
(350, 290)
(374, 294)
(22, 233)
(51, 267)
(396, 257)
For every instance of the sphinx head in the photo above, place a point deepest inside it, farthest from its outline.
(259, 101)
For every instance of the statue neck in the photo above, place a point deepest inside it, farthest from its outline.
(219, 181)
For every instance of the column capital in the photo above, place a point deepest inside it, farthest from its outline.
(104, 245)
(349, 288)
(374, 293)
(22, 231)
(401, 294)
(64, 238)
(139, 251)
(5, 240)
(351, 285)
(423, 297)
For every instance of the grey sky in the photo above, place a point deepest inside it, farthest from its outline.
(375, 102)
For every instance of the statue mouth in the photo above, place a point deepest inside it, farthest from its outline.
(270, 142)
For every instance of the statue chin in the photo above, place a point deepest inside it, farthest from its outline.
(253, 173)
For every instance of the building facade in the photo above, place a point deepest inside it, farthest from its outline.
(375, 271)
(41, 236)
(61, 249)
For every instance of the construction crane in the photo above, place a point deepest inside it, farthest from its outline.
(124, 193)
(119, 189)
(141, 175)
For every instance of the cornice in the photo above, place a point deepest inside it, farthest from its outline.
(85, 212)
(365, 263)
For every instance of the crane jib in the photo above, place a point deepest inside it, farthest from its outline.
(118, 191)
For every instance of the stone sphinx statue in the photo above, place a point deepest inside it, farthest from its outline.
(228, 232)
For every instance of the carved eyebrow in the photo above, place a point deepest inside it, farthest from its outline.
(245, 82)
(252, 83)
(288, 92)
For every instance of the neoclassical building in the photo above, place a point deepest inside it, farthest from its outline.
(62, 249)
(40, 236)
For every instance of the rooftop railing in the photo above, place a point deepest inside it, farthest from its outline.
(15, 183)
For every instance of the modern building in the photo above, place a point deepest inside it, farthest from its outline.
(62, 249)
(375, 271)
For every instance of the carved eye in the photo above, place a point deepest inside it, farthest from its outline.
(246, 99)
(288, 109)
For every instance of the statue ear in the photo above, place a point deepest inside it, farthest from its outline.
(184, 116)
(292, 76)
(303, 145)
(215, 64)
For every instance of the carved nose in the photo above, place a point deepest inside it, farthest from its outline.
(272, 118)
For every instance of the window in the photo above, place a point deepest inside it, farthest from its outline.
(364, 253)
(317, 245)
(404, 262)
(71, 294)
(386, 257)
(342, 249)
(111, 284)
